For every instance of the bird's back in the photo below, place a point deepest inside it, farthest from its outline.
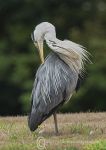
(54, 84)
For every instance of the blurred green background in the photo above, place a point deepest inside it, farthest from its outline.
(82, 21)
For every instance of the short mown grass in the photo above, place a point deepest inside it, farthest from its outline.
(80, 129)
(98, 145)
(83, 131)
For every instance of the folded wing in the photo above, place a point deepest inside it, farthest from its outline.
(54, 84)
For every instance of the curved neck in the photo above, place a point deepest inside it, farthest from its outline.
(71, 58)
(50, 36)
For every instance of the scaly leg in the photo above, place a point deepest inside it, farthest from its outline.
(55, 122)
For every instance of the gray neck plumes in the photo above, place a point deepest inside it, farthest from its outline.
(71, 53)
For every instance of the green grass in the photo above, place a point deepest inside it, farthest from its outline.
(80, 129)
(98, 145)
(83, 131)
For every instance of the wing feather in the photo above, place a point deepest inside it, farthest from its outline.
(54, 83)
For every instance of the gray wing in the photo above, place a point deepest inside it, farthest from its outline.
(54, 83)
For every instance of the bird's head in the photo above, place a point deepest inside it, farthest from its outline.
(38, 36)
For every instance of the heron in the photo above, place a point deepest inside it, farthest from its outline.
(58, 76)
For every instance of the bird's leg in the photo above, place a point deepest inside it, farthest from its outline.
(55, 122)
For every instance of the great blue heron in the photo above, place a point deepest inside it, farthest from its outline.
(57, 77)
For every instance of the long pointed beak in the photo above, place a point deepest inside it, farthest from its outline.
(40, 47)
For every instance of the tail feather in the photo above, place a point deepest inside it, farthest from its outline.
(36, 117)
(34, 120)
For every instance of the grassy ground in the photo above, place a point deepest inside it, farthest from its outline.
(83, 131)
